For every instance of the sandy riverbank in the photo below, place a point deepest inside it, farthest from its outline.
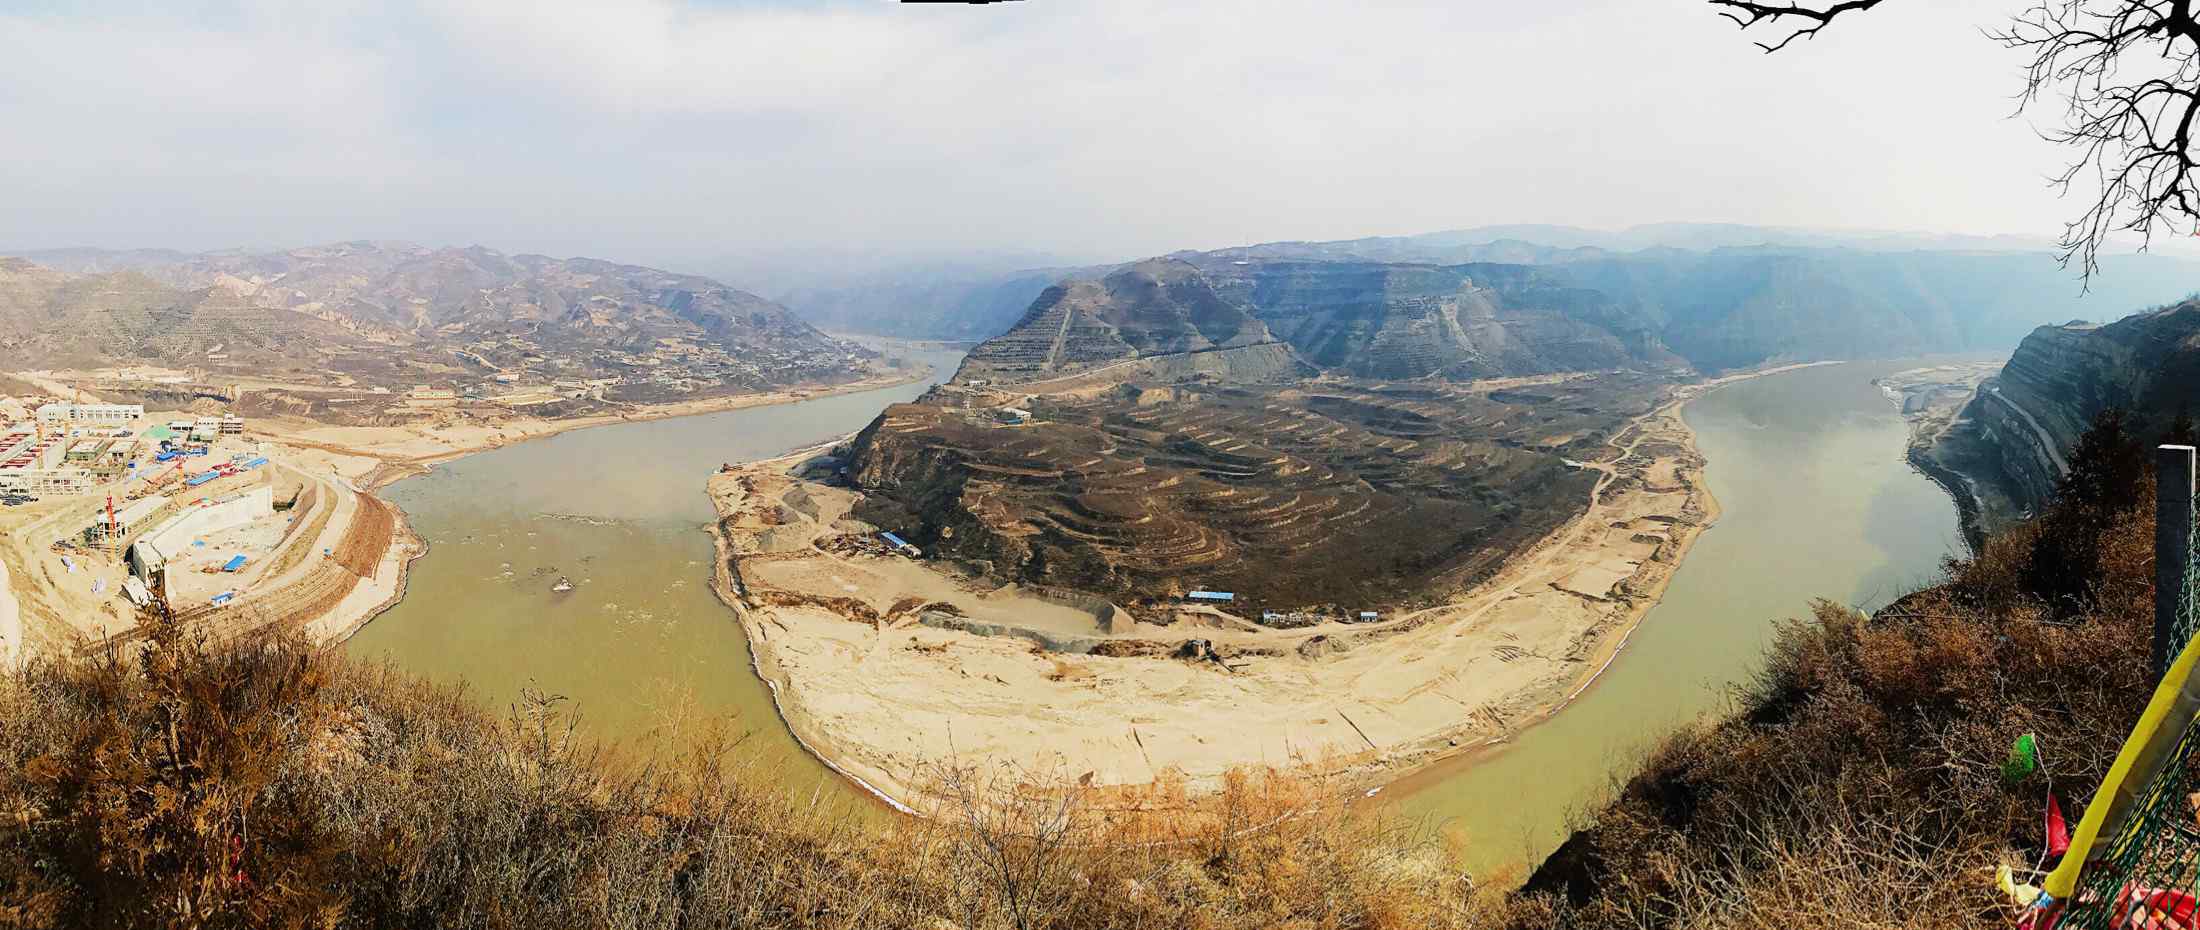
(874, 671)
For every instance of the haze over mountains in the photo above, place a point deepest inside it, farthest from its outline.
(390, 315)
(1715, 296)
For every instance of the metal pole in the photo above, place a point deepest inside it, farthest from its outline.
(2173, 487)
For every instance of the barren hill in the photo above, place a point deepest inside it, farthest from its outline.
(1152, 308)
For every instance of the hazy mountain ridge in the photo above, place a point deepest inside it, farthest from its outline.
(506, 313)
(1714, 311)
(1385, 320)
(1718, 296)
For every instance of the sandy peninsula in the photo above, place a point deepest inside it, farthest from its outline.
(889, 668)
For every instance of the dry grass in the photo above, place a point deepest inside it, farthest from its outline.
(269, 785)
(1859, 784)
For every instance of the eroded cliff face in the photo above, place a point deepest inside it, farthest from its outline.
(1377, 320)
(2012, 440)
(1154, 308)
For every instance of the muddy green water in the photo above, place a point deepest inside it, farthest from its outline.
(1818, 502)
(620, 511)
(1807, 466)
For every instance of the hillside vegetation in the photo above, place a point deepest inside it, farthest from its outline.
(1859, 781)
(269, 785)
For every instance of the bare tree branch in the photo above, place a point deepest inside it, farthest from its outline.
(2128, 76)
(2127, 73)
(1747, 14)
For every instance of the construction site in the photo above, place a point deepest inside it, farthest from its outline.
(113, 513)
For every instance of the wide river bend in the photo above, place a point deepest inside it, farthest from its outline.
(1807, 466)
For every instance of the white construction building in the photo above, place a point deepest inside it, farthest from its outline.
(90, 414)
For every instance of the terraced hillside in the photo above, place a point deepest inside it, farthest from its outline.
(1344, 493)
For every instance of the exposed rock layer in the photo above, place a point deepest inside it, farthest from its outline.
(2012, 440)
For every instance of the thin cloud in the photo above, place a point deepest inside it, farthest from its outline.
(656, 130)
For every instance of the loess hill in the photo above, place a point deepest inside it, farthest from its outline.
(1317, 447)
(390, 315)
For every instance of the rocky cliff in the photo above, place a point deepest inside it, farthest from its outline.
(1382, 320)
(2010, 442)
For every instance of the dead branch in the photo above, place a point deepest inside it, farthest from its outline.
(1747, 14)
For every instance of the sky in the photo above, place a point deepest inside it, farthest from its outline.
(672, 132)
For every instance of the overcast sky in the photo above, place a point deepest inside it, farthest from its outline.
(666, 131)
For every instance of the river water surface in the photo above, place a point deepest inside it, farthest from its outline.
(1807, 466)
(621, 512)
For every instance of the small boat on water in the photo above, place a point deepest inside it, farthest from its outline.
(564, 584)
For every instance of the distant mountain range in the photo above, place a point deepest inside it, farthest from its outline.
(1715, 296)
(391, 314)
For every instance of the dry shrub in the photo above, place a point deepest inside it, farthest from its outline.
(1860, 782)
(266, 784)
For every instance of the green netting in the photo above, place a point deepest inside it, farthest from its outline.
(2147, 875)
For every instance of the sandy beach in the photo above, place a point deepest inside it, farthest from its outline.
(887, 668)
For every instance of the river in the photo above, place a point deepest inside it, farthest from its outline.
(1818, 502)
(1806, 464)
(619, 511)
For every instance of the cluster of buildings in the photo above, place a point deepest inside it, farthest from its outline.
(74, 448)
(73, 415)
(68, 450)
(34, 464)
